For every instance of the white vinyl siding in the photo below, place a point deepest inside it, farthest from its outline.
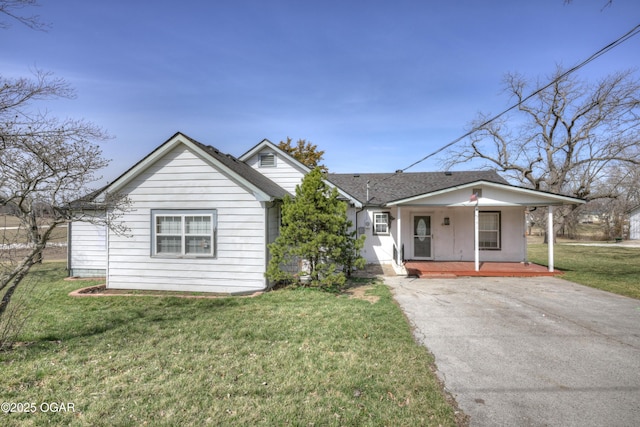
(88, 249)
(283, 173)
(181, 180)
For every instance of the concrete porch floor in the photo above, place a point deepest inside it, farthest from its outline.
(427, 269)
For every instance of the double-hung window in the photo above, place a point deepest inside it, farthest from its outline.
(381, 223)
(184, 233)
(489, 230)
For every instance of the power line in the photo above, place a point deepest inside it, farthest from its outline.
(634, 31)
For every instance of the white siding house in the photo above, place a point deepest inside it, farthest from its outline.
(201, 220)
(430, 216)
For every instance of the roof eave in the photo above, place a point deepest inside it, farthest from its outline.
(174, 141)
(552, 198)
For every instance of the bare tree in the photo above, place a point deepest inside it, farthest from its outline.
(623, 184)
(47, 166)
(14, 8)
(565, 139)
(606, 3)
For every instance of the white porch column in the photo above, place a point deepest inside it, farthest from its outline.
(476, 239)
(524, 238)
(399, 234)
(550, 236)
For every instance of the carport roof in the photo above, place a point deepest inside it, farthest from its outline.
(391, 189)
(511, 195)
(387, 187)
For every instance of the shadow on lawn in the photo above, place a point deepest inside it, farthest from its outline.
(58, 319)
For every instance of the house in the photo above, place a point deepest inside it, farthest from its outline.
(201, 220)
(634, 223)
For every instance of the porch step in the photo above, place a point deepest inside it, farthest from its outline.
(433, 275)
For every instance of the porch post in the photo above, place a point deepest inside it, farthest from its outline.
(399, 234)
(476, 238)
(524, 237)
(550, 236)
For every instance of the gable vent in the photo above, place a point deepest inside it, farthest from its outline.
(267, 160)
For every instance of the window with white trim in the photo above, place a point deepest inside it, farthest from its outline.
(183, 233)
(489, 230)
(381, 223)
(267, 160)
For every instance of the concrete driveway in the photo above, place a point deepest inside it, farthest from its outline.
(529, 351)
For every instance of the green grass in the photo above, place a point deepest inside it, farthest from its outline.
(290, 357)
(610, 268)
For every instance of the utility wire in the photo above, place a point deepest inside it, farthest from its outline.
(634, 31)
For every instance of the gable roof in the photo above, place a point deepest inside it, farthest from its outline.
(244, 170)
(388, 187)
(265, 143)
(304, 169)
(244, 174)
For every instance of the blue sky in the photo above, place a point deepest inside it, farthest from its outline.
(376, 84)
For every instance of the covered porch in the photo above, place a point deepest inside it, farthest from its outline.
(476, 229)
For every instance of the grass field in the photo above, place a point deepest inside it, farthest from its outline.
(611, 268)
(11, 231)
(290, 357)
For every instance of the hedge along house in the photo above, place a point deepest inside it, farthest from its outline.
(201, 220)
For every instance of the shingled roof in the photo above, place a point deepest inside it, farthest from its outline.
(243, 169)
(388, 187)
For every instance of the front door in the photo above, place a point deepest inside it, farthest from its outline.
(422, 237)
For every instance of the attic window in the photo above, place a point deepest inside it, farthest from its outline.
(267, 160)
(477, 192)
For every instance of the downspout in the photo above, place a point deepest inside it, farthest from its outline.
(361, 209)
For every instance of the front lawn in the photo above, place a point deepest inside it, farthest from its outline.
(290, 357)
(611, 268)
